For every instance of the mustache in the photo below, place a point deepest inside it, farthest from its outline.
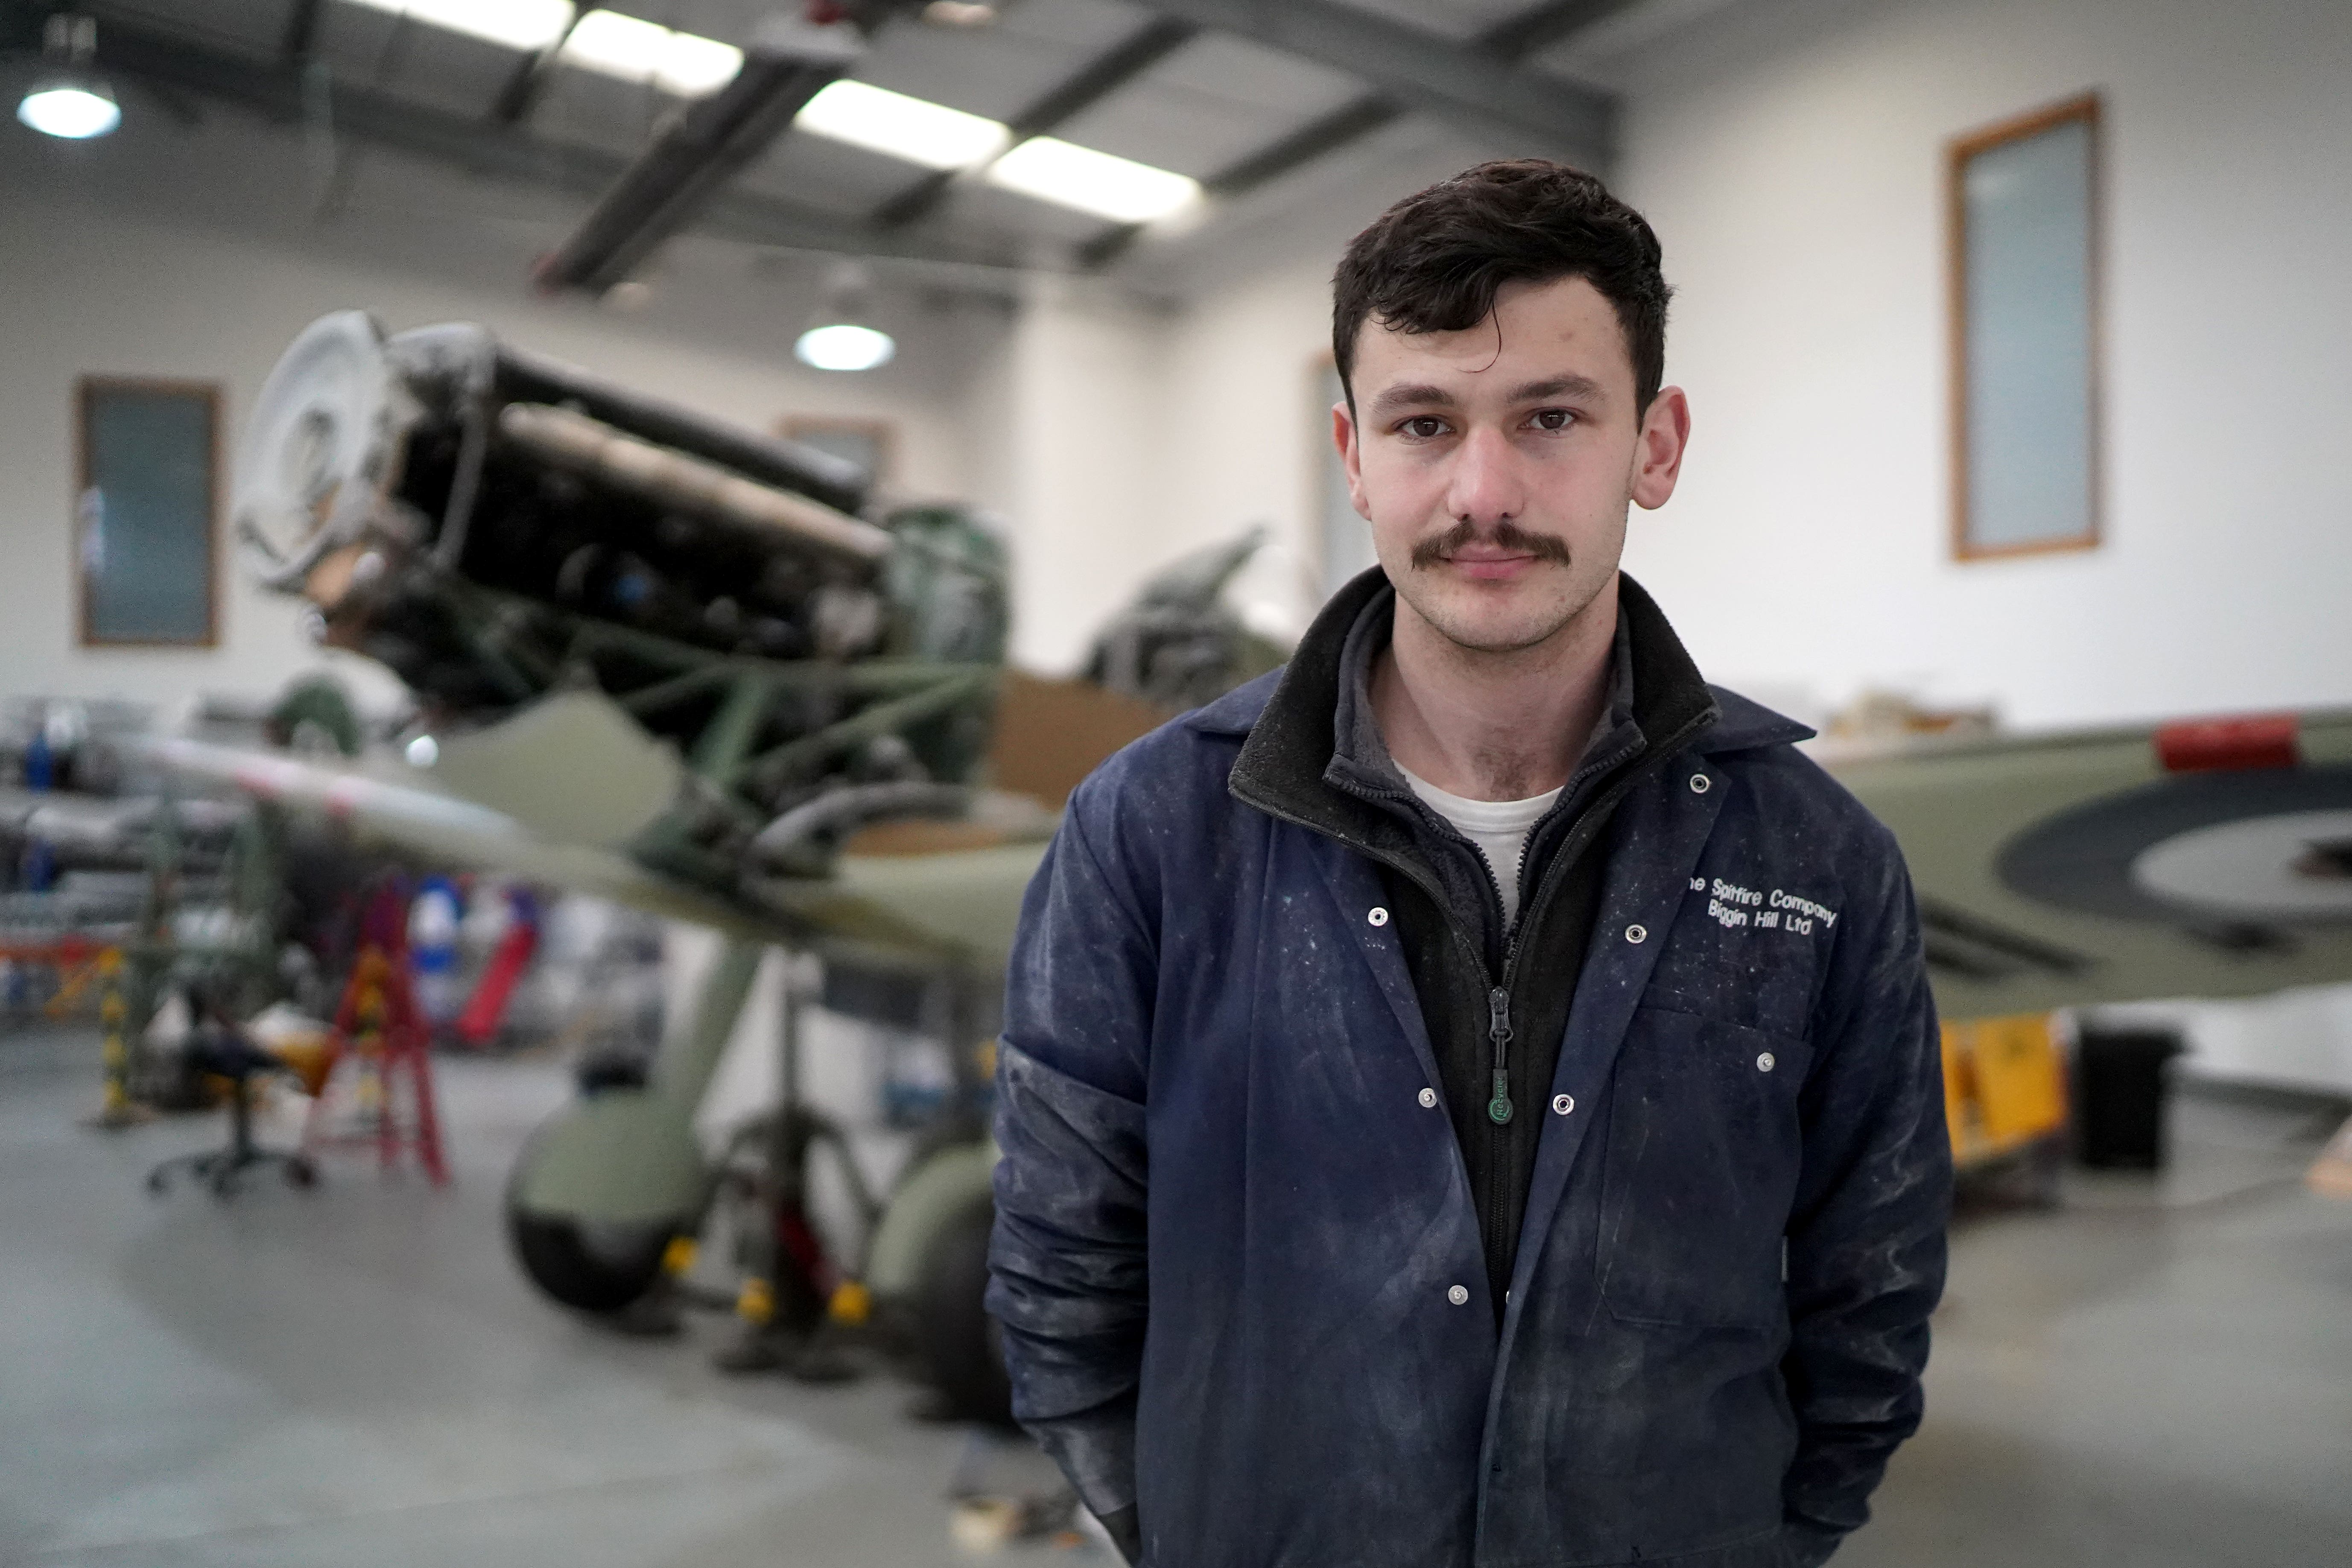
(1508, 534)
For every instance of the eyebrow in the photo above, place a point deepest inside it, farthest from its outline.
(1583, 387)
(1423, 395)
(1411, 396)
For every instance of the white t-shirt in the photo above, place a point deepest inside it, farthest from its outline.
(1498, 828)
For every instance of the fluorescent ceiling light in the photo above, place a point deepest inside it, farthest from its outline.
(74, 110)
(938, 137)
(529, 25)
(1117, 189)
(914, 129)
(633, 49)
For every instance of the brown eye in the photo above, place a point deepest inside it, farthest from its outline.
(1427, 427)
(1552, 419)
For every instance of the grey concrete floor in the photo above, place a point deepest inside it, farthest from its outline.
(359, 1375)
(2158, 1373)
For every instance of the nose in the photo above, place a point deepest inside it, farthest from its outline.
(1486, 486)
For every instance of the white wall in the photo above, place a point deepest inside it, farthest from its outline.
(1243, 362)
(1788, 153)
(1073, 429)
(165, 252)
(2299, 1039)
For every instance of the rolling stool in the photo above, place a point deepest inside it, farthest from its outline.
(225, 1053)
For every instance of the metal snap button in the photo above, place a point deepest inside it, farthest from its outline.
(1764, 1062)
(1701, 783)
(1561, 1104)
(1379, 916)
(1458, 1294)
(1428, 1099)
(1637, 933)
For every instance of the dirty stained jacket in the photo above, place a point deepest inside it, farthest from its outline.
(1237, 1265)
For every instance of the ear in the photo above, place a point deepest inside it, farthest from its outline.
(1352, 458)
(1658, 450)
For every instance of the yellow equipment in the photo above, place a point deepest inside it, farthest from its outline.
(2004, 1087)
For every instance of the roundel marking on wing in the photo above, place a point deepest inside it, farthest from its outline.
(2268, 847)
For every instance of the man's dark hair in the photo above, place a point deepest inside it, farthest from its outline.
(1434, 262)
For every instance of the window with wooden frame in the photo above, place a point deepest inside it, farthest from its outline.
(2023, 199)
(146, 512)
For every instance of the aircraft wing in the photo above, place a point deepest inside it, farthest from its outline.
(444, 828)
(957, 904)
(2209, 860)
(961, 904)
(2206, 859)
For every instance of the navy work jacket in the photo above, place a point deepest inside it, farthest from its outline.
(1236, 1262)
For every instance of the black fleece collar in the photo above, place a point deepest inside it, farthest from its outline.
(1287, 762)
(1360, 760)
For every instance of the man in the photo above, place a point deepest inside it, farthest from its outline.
(1473, 1096)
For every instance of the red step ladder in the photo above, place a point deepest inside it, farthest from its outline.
(380, 1031)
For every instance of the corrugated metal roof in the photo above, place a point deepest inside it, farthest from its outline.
(1209, 104)
(1450, 18)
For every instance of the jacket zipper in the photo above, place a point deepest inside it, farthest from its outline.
(1498, 1137)
(1498, 1029)
(1499, 997)
(1503, 1182)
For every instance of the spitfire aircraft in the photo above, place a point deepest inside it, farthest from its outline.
(680, 665)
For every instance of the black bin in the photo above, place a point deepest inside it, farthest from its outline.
(2121, 1086)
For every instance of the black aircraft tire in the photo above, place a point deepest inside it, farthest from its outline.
(953, 1334)
(602, 1278)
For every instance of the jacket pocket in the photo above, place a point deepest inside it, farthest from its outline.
(1701, 1167)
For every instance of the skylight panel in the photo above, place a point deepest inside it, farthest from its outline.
(914, 129)
(697, 65)
(631, 50)
(1070, 175)
(528, 24)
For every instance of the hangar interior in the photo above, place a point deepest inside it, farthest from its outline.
(720, 867)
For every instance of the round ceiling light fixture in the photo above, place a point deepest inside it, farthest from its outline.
(70, 101)
(845, 346)
(75, 110)
(840, 335)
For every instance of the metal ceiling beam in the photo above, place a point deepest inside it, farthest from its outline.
(1531, 32)
(301, 35)
(1420, 69)
(1316, 139)
(457, 141)
(1311, 140)
(522, 90)
(690, 163)
(1106, 73)
(1508, 42)
(667, 185)
(1065, 101)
